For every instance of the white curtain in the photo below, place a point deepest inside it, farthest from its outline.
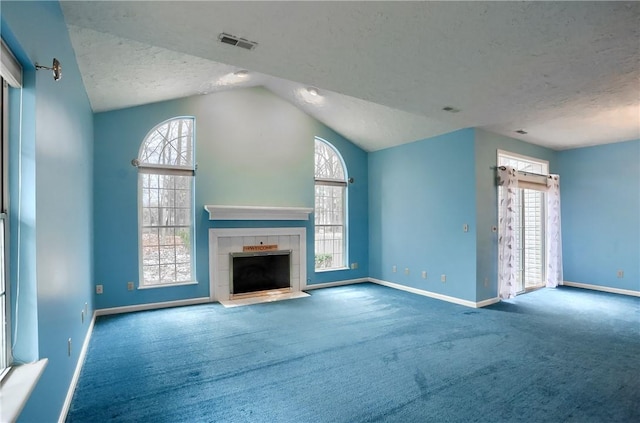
(553, 233)
(507, 266)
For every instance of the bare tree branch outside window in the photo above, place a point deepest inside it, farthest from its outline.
(166, 203)
(330, 189)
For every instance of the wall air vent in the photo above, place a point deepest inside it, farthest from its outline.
(237, 41)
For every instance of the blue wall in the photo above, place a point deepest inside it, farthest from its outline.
(407, 205)
(420, 196)
(252, 148)
(487, 145)
(57, 135)
(422, 193)
(600, 188)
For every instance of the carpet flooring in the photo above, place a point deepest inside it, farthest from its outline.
(367, 353)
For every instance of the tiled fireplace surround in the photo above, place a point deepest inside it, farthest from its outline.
(223, 241)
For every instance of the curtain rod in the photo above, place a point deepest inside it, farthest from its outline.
(522, 171)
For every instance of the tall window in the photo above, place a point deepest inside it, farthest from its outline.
(4, 307)
(166, 170)
(10, 75)
(530, 218)
(330, 207)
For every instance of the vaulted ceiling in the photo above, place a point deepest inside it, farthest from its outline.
(567, 73)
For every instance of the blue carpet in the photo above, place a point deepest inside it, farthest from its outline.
(367, 353)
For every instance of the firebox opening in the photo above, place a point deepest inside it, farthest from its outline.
(252, 272)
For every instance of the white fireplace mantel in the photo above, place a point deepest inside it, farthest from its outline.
(257, 213)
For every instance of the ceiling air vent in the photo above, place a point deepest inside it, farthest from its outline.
(237, 41)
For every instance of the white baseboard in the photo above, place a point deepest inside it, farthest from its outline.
(602, 288)
(76, 373)
(435, 295)
(337, 283)
(151, 306)
(487, 302)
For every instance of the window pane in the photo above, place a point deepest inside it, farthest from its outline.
(329, 247)
(151, 273)
(168, 273)
(329, 207)
(150, 248)
(327, 162)
(167, 236)
(169, 144)
(183, 217)
(183, 272)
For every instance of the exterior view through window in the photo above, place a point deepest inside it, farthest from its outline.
(530, 226)
(166, 170)
(330, 207)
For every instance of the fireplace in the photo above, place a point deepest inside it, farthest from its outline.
(227, 245)
(259, 271)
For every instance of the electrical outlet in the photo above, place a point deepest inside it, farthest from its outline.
(443, 278)
(424, 274)
(465, 227)
(130, 286)
(99, 289)
(406, 270)
(394, 269)
(354, 266)
(620, 274)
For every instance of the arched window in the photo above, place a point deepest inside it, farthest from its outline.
(330, 207)
(166, 169)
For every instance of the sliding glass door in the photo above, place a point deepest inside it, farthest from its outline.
(530, 218)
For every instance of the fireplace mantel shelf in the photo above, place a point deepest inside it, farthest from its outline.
(257, 213)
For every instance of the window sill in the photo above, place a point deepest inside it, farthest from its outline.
(17, 386)
(167, 285)
(333, 269)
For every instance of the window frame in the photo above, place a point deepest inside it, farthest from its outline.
(146, 168)
(10, 76)
(334, 182)
(5, 294)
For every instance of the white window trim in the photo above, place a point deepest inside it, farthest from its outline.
(6, 322)
(165, 285)
(10, 69)
(516, 156)
(17, 381)
(345, 208)
(147, 168)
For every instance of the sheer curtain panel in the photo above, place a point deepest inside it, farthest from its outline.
(508, 185)
(554, 233)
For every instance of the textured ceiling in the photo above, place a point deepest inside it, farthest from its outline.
(566, 72)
